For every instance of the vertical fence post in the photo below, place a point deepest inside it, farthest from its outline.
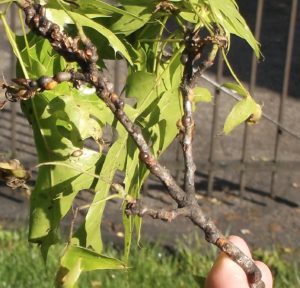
(210, 181)
(13, 107)
(285, 87)
(253, 76)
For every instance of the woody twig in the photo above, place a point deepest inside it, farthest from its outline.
(82, 51)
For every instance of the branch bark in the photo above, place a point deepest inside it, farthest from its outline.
(199, 54)
(86, 58)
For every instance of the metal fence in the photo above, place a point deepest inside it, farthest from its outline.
(274, 165)
(16, 136)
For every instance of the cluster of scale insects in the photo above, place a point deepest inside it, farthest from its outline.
(67, 46)
(27, 88)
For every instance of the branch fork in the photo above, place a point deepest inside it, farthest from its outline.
(195, 61)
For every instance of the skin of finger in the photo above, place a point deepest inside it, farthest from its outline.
(227, 274)
(266, 274)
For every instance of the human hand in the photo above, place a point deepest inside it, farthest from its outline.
(225, 273)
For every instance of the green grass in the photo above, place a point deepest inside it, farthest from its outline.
(152, 266)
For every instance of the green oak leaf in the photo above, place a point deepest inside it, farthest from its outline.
(239, 113)
(237, 88)
(78, 259)
(202, 95)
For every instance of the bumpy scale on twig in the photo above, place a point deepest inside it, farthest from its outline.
(87, 58)
(198, 55)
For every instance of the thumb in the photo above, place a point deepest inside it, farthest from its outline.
(225, 273)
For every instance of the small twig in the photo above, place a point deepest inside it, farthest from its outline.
(138, 208)
(87, 58)
(212, 234)
(196, 58)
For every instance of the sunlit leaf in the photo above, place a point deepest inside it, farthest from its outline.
(239, 113)
(237, 88)
(226, 13)
(141, 9)
(79, 259)
(13, 168)
(113, 40)
(201, 95)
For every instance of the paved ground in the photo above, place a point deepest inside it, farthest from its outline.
(264, 222)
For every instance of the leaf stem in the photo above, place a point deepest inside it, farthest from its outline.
(157, 44)
(233, 73)
(57, 163)
(11, 38)
(20, 12)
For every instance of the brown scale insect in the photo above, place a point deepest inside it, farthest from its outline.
(120, 104)
(144, 156)
(88, 53)
(46, 83)
(154, 169)
(77, 153)
(33, 84)
(35, 21)
(184, 58)
(45, 25)
(30, 13)
(120, 112)
(113, 98)
(186, 121)
(147, 159)
(62, 77)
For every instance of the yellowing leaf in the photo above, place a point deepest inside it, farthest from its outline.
(14, 168)
(239, 113)
(226, 14)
